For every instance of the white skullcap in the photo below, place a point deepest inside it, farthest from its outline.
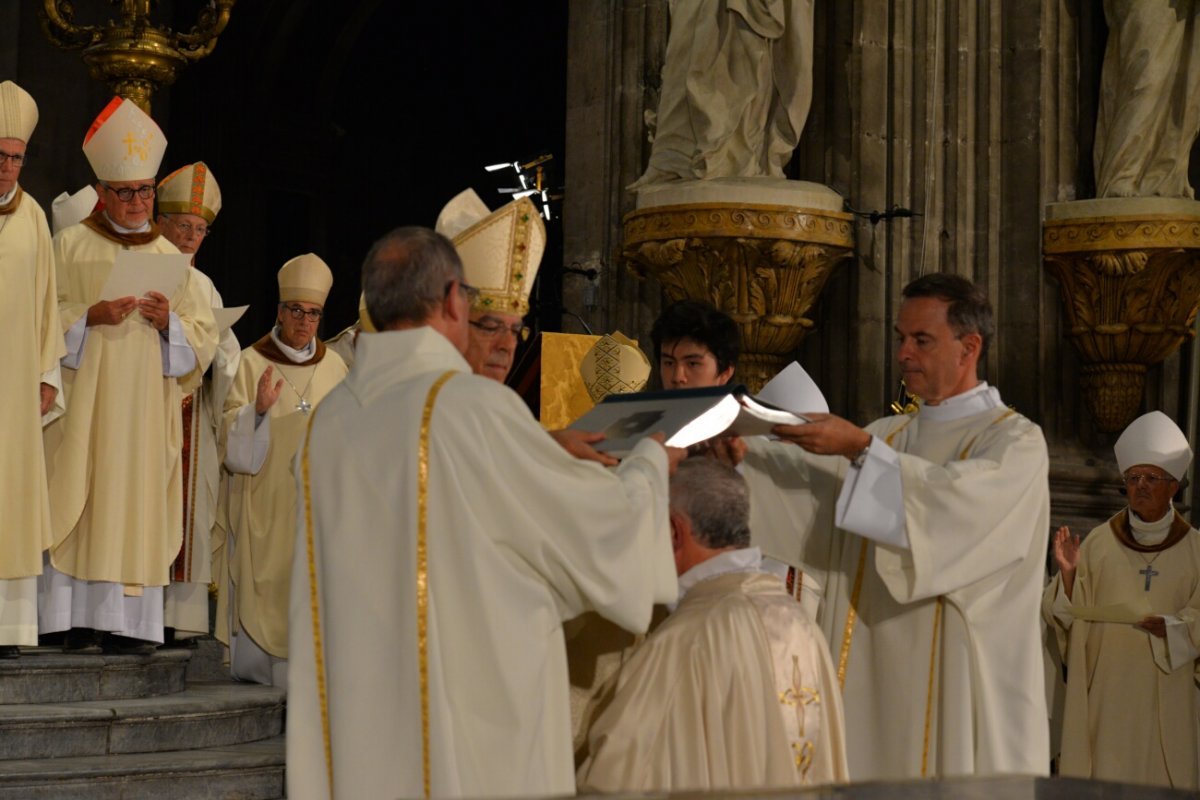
(1156, 440)
(71, 209)
(18, 112)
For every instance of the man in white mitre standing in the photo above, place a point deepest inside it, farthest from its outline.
(933, 573)
(281, 378)
(446, 533)
(114, 461)
(1131, 705)
(189, 200)
(33, 343)
(735, 690)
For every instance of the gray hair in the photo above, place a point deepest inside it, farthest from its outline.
(405, 275)
(714, 497)
(969, 310)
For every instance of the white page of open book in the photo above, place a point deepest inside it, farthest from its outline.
(709, 424)
(794, 390)
(135, 273)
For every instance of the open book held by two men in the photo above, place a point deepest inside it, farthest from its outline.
(689, 416)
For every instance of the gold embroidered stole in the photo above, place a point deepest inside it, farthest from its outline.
(422, 585)
(856, 592)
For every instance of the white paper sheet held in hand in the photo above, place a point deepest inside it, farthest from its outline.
(225, 317)
(1126, 613)
(135, 273)
(794, 390)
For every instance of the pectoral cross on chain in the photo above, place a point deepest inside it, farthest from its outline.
(1149, 572)
(304, 407)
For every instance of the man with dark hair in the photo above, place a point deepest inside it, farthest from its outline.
(447, 534)
(695, 345)
(928, 531)
(736, 689)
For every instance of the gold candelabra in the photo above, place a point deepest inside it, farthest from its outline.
(130, 53)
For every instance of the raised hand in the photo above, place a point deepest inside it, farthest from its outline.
(1066, 555)
(267, 394)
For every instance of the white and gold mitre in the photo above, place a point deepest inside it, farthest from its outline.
(124, 143)
(306, 279)
(18, 112)
(190, 190)
(614, 365)
(501, 250)
(71, 209)
(1154, 439)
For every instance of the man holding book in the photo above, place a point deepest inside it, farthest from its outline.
(929, 530)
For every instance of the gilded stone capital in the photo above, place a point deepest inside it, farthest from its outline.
(1130, 289)
(764, 266)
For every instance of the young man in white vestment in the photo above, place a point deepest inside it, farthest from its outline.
(280, 380)
(928, 533)
(446, 534)
(736, 689)
(33, 343)
(114, 462)
(1131, 709)
(189, 200)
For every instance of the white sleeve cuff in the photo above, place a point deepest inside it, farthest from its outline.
(871, 502)
(75, 339)
(248, 441)
(1176, 650)
(178, 357)
(53, 377)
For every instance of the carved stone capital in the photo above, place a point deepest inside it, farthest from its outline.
(1130, 289)
(764, 266)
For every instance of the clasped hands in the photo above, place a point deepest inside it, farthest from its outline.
(154, 306)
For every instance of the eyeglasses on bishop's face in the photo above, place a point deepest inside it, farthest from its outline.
(18, 159)
(126, 193)
(187, 228)
(1135, 478)
(299, 313)
(489, 327)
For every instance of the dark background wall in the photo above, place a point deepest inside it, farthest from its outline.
(326, 124)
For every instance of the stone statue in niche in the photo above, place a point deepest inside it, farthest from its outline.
(737, 87)
(1149, 113)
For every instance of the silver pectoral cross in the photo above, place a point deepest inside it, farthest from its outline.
(304, 407)
(1149, 572)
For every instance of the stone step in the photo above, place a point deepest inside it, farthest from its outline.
(204, 715)
(47, 675)
(252, 771)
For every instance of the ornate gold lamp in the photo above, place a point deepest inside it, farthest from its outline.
(131, 54)
(1130, 288)
(764, 265)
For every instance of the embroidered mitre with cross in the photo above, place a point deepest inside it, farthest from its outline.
(501, 250)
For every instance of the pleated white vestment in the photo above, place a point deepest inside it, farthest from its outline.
(937, 644)
(520, 536)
